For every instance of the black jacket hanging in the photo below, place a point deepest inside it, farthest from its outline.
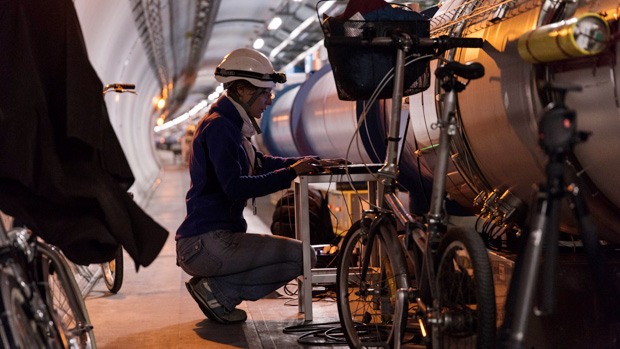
(63, 172)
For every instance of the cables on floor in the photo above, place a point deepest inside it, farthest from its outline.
(327, 333)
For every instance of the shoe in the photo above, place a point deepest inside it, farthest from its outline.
(200, 290)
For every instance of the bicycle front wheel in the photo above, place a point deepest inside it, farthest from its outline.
(113, 272)
(465, 300)
(24, 320)
(371, 269)
(65, 298)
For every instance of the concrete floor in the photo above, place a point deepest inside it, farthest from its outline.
(154, 310)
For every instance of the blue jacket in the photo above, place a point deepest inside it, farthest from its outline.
(220, 186)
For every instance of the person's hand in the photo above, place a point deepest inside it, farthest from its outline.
(307, 165)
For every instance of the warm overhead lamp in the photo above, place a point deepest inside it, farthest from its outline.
(258, 44)
(275, 23)
(161, 103)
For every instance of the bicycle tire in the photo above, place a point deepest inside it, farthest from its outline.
(465, 300)
(366, 306)
(113, 272)
(64, 298)
(24, 319)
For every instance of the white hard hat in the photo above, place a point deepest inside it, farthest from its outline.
(250, 65)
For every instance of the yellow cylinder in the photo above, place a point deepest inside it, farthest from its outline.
(585, 35)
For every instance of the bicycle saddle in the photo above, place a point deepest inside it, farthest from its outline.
(469, 70)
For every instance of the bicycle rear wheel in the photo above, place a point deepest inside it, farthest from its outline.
(113, 272)
(367, 291)
(465, 300)
(65, 298)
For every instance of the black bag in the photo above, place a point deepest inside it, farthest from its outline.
(321, 229)
(358, 70)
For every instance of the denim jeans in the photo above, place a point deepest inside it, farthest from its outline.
(241, 266)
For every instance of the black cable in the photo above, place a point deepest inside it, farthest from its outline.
(319, 338)
(327, 333)
(476, 224)
(306, 327)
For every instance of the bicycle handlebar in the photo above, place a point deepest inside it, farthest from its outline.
(443, 42)
(447, 42)
(120, 88)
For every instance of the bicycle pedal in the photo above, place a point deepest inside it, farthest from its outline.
(413, 294)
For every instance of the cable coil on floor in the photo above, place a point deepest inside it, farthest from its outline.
(327, 333)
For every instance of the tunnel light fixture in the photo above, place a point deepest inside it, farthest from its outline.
(181, 118)
(275, 23)
(171, 123)
(258, 44)
(302, 55)
(161, 103)
(305, 24)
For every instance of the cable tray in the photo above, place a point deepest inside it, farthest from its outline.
(478, 15)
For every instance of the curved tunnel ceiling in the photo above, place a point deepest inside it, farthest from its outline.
(169, 49)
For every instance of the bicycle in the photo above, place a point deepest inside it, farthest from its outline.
(112, 271)
(41, 305)
(443, 271)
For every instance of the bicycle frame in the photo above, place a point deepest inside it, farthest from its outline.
(425, 240)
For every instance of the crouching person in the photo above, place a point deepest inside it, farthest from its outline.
(227, 264)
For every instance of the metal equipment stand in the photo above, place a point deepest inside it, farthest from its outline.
(302, 231)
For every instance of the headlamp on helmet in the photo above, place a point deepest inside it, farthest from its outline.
(279, 78)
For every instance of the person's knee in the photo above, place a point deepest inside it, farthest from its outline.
(300, 255)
